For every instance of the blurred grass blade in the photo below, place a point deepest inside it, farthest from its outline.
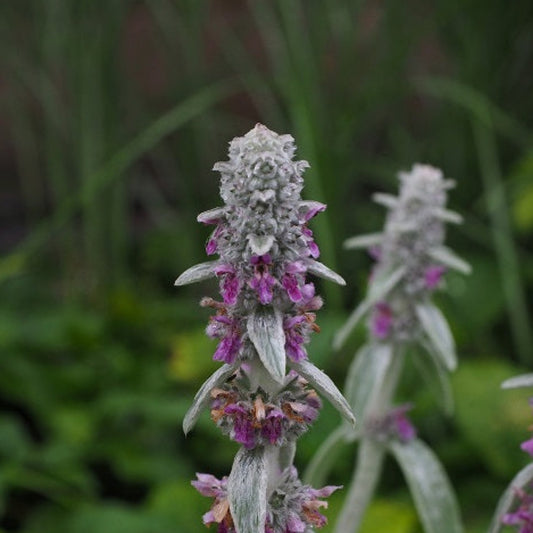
(478, 105)
(114, 169)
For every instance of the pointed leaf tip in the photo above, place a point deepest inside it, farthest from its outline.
(438, 333)
(325, 386)
(196, 273)
(265, 328)
(202, 397)
(322, 271)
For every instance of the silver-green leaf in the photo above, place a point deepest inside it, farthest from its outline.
(449, 216)
(367, 374)
(247, 490)
(363, 241)
(199, 272)
(265, 329)
(322, 271)
(438, 332)
(208, 217)
(431, 490)
(516, 382)
(380, 286)
(430, 366)
(202, 397)
(446, 257)
(522, 480)
(325, 386)
(388, 200)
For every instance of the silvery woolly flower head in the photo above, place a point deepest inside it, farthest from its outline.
(262, 322)
(411, 258)
(266, 252)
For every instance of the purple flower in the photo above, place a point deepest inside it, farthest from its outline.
(433, 275)
(230, 285)
(210, 486)
(381, 321)
(523, 516)
(263, 282)
(314, 251)
(310, 213)
(226, 328)
(527, 446)
(212, 244)
(292, 279)
(272, 427)
(401, 425)
(243, 428)
(294, 338)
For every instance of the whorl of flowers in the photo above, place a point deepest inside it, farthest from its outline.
(262, 322)
(411, 258)
(292, 508)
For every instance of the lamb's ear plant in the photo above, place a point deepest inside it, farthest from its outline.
(515, 507)
(403, 321)
(264, 396)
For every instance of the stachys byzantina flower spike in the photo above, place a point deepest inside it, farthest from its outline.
(263, 321)
(411, 260)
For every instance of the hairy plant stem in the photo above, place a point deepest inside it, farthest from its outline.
(370, 454)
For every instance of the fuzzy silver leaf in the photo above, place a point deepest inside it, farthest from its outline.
(325, 386)
(322, 271)
(199, 272)
(516, 382)
(445, 256)
(438, 332)
(367, 374)
(381, 285)
(387, 200)
(208, 217)
(202, 397)
(265, 329)
(247, 490)
(431, 490)
(448, 216)
(363, 241)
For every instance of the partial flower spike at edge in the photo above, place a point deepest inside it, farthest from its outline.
(266, 393)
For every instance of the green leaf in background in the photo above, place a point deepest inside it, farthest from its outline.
(390, 515)
(191, 356)
(522, 193)
(494, 422)
(431, 490)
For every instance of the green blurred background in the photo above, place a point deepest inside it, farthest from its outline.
(112, 114)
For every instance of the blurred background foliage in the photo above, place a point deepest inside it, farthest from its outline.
(112, 115)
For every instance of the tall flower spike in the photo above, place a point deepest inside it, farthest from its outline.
(262, 323)
(411, 261)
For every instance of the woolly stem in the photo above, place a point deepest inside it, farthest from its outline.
(370, 454)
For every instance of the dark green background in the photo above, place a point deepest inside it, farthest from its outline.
(112, 115)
